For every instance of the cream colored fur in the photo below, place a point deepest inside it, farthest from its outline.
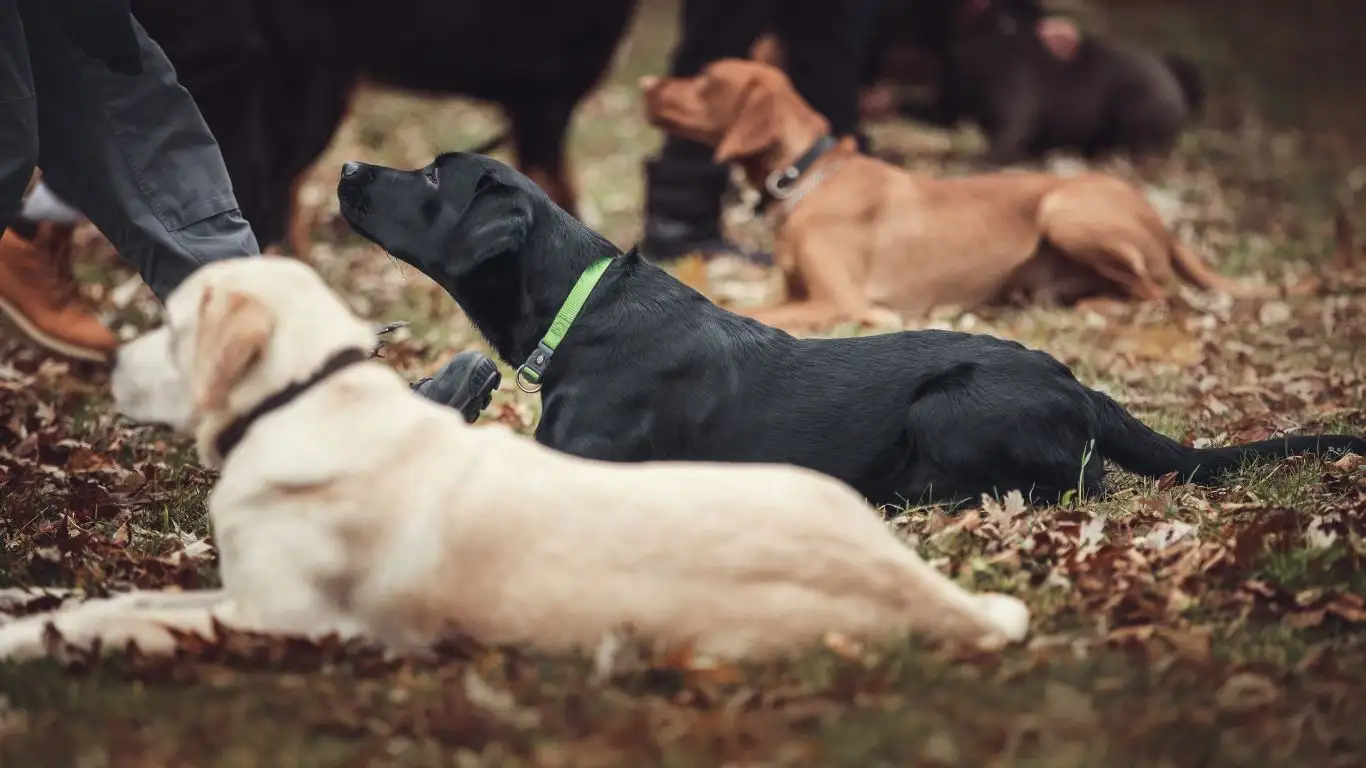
(363, 509)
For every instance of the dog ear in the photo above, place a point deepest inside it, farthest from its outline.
(498, 220)
(232, 334)
(754, 128)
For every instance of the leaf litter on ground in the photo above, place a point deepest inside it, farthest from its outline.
(1173, 625)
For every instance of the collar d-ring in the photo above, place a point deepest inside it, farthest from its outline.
(524, 383)
(779, 183)
(783, 182)
(530, 372)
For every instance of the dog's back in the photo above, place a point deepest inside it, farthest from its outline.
(490, 50)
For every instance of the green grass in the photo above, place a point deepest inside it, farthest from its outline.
(1236, 644)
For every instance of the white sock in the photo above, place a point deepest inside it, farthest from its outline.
(44, 205)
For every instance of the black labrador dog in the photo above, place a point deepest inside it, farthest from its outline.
(650, 369)
(995, 71)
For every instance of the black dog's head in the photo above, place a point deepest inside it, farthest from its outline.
(446, 219)
(484, 232)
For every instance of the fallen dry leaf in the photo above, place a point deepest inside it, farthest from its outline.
(1164, 343)
(1167, 533)
(1245, 691)
(1218, 624)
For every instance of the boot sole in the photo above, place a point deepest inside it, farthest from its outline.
(482, 395)
(47, 342)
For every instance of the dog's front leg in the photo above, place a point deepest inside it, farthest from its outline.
(1014, 124)
(818, 315)
(159, 600)
(1008, 147)
(139, 617)
(830, 271)
(799, 316)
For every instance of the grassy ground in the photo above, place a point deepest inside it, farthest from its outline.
(1175, 626)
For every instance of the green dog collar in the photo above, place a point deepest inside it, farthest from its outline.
(530, 372)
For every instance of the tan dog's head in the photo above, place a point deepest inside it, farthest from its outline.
(236, 332)
(745, 109)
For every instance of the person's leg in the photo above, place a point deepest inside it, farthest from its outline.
(134, 155)
(38, 294)
(221, 56)
(683, 187)
(18, 113)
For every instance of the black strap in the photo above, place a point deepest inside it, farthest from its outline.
(780, 183)
(235, 431)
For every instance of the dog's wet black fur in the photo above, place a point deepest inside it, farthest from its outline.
(653, 370)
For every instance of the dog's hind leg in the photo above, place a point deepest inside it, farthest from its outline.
(539, 131)
(301, 220)
(997, 437)
(936, 606)
(1105, 240)
(830, 272)
(305, 110)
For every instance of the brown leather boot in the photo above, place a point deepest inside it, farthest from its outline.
(39, 295)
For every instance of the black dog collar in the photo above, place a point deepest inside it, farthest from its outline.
(237, 429)
(781, 182)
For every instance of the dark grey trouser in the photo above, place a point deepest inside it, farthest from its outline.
(130, 152)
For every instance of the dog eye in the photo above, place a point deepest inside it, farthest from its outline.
(430, 173)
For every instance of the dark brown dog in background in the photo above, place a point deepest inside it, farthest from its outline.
(1000, 65)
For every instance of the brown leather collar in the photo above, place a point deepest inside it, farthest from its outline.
(237, 428)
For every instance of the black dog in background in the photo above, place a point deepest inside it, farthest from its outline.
(274, 78)
(651, 369)
(990, 67)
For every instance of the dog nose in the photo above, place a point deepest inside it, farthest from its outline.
(351, 168)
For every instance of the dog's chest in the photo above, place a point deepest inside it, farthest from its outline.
(285, 565)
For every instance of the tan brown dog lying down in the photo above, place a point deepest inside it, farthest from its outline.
(858, 239)
(349, 504)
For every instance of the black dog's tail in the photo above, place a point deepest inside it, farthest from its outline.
(1192, 84)
(1137, 448)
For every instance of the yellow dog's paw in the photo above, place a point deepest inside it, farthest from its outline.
(1010, 614)
(22, 638)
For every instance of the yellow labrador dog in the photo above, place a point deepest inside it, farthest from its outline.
(348, 504)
